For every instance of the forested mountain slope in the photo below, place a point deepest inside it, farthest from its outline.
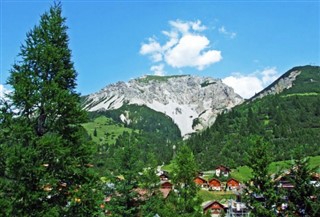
(288, 120)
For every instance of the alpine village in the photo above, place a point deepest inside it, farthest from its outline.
(156, 146)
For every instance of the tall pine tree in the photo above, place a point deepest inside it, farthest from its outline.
(185, 170)
(46, 156)
(261, 193)
(125, 177)
(303, 199)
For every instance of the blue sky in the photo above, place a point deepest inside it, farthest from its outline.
(248, 44)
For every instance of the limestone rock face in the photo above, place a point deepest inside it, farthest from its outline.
(192, 102)
(279, 86)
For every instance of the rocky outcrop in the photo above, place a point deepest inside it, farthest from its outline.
(192, 102)
(279, 85)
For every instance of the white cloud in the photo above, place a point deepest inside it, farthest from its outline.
(185, 47)
(224, 31)
(190, 52)
(197, 26)
(245, 86)
(152, 48)
(248, 85)
(158, 70)
(185, 27)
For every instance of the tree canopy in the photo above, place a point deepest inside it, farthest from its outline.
(46, 156)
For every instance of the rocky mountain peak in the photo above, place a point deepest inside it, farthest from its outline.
(192, 102)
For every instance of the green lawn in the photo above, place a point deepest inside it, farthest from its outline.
(242, 173)
(107, 130)
(216, 195)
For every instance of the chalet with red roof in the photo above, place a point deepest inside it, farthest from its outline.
(214, 208)
(214, 184)
(200, 181)
(232, 184)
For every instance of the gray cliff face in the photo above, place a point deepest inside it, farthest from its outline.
(279, 86)
(192, 102)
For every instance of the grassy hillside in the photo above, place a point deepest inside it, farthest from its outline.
(287, 121)
(156, 133)
(243, 173)
(107, 130)
(144, 119)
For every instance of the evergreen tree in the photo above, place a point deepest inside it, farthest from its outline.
(150, 183)
(185, 170)
(261, 193)
(46, 153)
(304, 197)
(125, 178)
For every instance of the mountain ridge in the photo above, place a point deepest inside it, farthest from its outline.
(286, 81)
(192, 102)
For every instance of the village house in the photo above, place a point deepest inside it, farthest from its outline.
(214, 208)
(164, 177)
(283, 181)
(166, 185)
(214, 184)
(201, 182)
(222, 171)
(232, 184)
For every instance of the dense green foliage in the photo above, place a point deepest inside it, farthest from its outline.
(184, 171)
(125, 178)
(261, 192)
(133, 187)
(287, 120)
(45, 153)
(304, 197)
(267, 193)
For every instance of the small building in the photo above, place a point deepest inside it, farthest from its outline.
(222, 171)
(214, 184)
(283, 181)
(237, 209)
(232, 184)
(166, 185)
(200, 181)
(214, 207)
(164, 177)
